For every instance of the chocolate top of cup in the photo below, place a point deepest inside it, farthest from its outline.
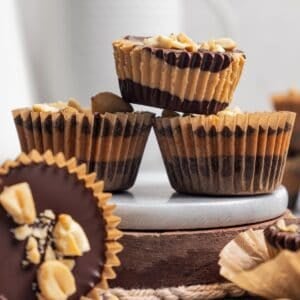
(56, 189)
(284, 234)
(205, 59)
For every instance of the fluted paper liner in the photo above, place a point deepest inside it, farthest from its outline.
(225, 154)
(291, 178)
(246, 262)
(111, 145)
(291, 103)
(112, 221)
(150, 76)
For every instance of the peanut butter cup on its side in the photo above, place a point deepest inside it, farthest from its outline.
(58, 231)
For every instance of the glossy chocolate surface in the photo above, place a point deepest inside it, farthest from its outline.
(53, 188)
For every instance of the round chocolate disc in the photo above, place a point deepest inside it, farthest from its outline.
(56, 189)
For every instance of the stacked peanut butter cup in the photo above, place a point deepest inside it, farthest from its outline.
(208, 149)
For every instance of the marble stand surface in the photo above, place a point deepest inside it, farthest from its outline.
(153, 205)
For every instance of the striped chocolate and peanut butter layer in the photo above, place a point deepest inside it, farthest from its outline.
(187, 76)
(87, 137)
(221, 151)
(225, 175)
(112, 145)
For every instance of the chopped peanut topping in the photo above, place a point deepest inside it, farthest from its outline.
(180, 41)
(219, 45)
(72, 106)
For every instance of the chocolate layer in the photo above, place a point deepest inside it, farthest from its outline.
(136, 93)
(282, 239)
(203, 59)
(53, 188)
(246, 172)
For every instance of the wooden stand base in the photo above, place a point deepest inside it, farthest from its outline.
(174, 258)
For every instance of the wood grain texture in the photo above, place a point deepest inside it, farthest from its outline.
(165, 259)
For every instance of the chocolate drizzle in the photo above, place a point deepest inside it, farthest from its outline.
(53, 188)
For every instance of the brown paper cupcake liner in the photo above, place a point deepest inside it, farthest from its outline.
(225, 154)
(200, 82)
(291, 179)
(292, 104)
(111, 145)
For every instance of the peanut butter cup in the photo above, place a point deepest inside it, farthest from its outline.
(110, 138)
(58, 232)
(175, 73)
(284, 234)
(290, 101)
(225, 154)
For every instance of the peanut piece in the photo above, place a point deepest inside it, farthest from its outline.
(218, 48)
(75, 104)
(32, 252)
(226, 43)
(55, 281)
(71, 107)
(21, 233)
(49, 254)
(69, 237)
(281, 225)
(164, 42)
(43, 107)
(17, 200)
(190, 44)
(70, 263)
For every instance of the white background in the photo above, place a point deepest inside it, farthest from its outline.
(53, 49)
